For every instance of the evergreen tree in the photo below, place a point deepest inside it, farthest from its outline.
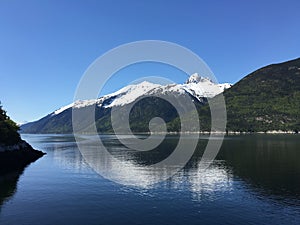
(8, 129)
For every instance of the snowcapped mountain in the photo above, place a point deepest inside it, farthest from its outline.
(203, 87)
(266, 88)
(197, 86)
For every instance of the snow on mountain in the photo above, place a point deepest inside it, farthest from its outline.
(203, 87)
(77, 104)
(60, 110)
(130, 93)
(196, 78)
(196, 86)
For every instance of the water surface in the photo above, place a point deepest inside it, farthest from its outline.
(255, 179)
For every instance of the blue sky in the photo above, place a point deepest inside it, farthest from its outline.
(45, 46)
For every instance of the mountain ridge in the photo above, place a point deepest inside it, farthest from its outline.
(150, 88)
(264, 100)
(60, 120)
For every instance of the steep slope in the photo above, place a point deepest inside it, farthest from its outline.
(197, 87)
(267, 99)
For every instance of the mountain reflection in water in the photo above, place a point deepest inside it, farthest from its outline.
(255, 179)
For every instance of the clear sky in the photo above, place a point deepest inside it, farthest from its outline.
(45, 46)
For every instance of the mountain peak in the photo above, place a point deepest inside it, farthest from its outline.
(196, 78)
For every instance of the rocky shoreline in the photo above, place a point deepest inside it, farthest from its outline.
(17, 157)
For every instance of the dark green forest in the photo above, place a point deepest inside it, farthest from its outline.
(8, 129)
(267, 99)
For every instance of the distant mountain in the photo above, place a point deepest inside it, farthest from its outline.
(197, 87)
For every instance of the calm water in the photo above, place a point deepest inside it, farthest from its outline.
(254, 180)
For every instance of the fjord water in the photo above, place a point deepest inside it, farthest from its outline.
(255, 179)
